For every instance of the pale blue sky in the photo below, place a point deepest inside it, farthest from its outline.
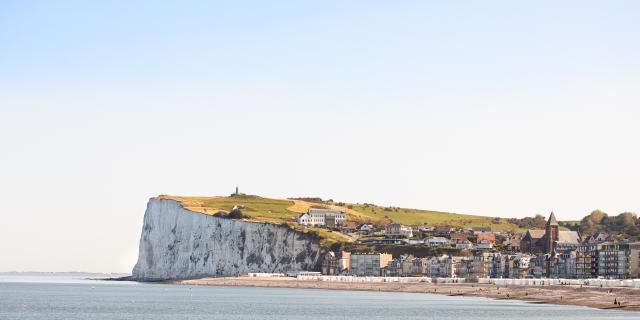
(489, 107)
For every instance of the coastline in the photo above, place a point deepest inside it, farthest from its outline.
(594, 297)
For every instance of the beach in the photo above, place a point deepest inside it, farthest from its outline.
(588, 296)
(80, 299)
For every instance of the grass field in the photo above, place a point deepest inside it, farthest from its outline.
(279, 211)
(414, 216)
(255, 208)
(328, 237)
(259, 209)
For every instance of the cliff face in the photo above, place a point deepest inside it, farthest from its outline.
(180, 244)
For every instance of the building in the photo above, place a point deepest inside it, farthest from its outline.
(464, 244)
(544, 241)
(466, 269)
(487, 236)
(420, 266)
(483, 245)
(437, 241)
(433, 266)
(512, 243)
(587, 261)
(619, 260)
(519, 266)
(383, 241)
(451, 266)
(329, 265)
(335, 263)
(446, 267)
(537, 266)
(498, 265)
(565, 264)
(348, 227)
(401, 266)
(397, 230)
(322, 218)
(343, 261)
(601, 237)
(443, 231)
(368, 264)
(483, 265)
(457, 237)
(634, 260)
(532, 241)
(442, 267)
(365, 229)
(480, 267)
(477, 230)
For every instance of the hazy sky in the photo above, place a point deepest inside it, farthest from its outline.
(488, 107)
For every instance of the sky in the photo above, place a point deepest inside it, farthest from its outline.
(498, 108)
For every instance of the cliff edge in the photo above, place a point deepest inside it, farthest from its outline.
(177, 243)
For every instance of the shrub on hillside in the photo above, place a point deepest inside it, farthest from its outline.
(235, 214)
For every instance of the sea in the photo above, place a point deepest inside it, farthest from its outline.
(84, 296)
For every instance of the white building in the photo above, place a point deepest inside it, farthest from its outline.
(398, 230)
(322, 217)
(439, 266)
(365, 229)
(437, 241)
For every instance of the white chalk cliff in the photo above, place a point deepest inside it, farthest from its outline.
(177, 243)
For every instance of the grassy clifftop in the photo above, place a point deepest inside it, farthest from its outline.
(283, 210)
(255, 208)
(258, 209)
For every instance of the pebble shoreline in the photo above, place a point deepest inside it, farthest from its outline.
(587, 296)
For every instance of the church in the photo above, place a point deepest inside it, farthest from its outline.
(545, 241)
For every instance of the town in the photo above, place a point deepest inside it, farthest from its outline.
(476, 253)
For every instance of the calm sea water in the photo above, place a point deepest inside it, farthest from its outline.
(50, 297)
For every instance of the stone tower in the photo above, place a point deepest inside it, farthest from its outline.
(551, 233)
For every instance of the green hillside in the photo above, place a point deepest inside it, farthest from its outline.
(278, 211)
(415, 217)
(254, 207)
(258, 209)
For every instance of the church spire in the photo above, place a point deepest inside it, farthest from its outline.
(552, 220)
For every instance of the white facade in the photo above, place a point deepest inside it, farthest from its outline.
(318, 217)
(437, 241)
(437, 266)
(365, 229)
(398, 230)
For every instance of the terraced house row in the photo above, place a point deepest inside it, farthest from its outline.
(551, 253)
(604, 260)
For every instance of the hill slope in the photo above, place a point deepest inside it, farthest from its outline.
(284, 210)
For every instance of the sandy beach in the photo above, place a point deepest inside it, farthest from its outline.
(564, 294)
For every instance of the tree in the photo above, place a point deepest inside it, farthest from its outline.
(622, 226)
(593, 223)
(627, 219)
(597, 216)
(235, 214)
